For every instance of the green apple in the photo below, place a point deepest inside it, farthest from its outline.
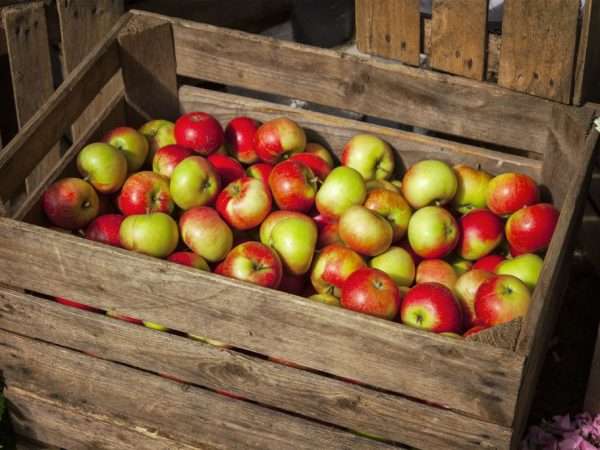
(397, 263)
(371, 156)
(158, 133)
(460, 265)
(205, 233)
(153, 234)
(471, 189)
(103, 166)
(194, 182)
(526, 268)
(328, 299)
(344, 187)
(432, 232)
(429, 182)
(294, 241)
(132, 143)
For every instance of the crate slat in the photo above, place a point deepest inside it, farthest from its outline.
(390, 29)
(458, 37)
(538, 47)
(587, 70)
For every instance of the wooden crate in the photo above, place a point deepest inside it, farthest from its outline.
(548, 48)
(415, 388)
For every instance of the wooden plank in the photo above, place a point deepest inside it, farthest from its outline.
(264, 321)
(55, 117)
(150, 83)
(436, 101)
(389, 29)
(299, 391)
(335, 132)
(24, 443)
(180, 412)
(587, 69)
(591, 402)
(29, 53)
(538, 47)
(83, 24)
(504, 335)
(458, 37)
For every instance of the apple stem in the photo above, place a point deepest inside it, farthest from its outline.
(147, 210)
(478, 166)
(87, 178)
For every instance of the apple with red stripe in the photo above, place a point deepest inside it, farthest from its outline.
(254, 263)
(228, 168)
(294, 186)
(365, 231)
(391, 206)
(166, 158)
(145, 192)
(371, 156)
(509, 192)
(279, 138)
(373, 292)
(481, 231)
(319, 150)
(488, 262)
(530, 229)
(465, 289)
(332, 267)
(260, 171)
(500, 299)
(328, 234)
(70, 203)
(433, 232)
(436, 271)
(105, 229)
(343, 188)
(431, 307)
(205, 233)
(318, 166)
(199, 131)
(239, 139)
(189, 259)
(103, 166)
(244, 203)
(195, 182)
(132, 143)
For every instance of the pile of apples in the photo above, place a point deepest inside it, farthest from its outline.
(256, 202)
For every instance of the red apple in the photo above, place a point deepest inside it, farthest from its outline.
(70, 203)
(317, 164)
(239, 139)
(228, 168)
(328, 234)
(153, 234)
(431, 307)
(132, 143)
(365, 231)
(105, 229)
(332, 267)
(320, 151)
(279, 138)
(436, 271)
(199, 131)
(530, 229)
(244, 203)
(370, 156)
(371, 291)
(500, 299)
(465, 289)
(429, 182)
(294, 186)
(254, 263)
(509, 192)
(189, 259)
(433, 232)
(292, 284)
(195, 182)
(166, 158)
(73, 304)
(103, 166)
(260, 171)
(473, 330)
(205, 233)
(145, 192)
(488, 262)
(480, 233)
(391, 206)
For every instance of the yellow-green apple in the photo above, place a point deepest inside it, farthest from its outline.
(431, 307)
(471, 189)
(239, 139)
(199, 131)
(501, 298)
(315, 163)
(398, 184)
(229, 169)
(436, 271)
(459, 264)
(489, 262)
(73, 304)
(277, 139)
(70, 203)
(294, 186)
(294, 241)
(429, 182)
(343, 188)
(189, 259)
(205, 233)
(145, 192)
(260, 171)
(332, 267)
(526, 267)
(328, 299)
(254, 263)
(381, 184)
(397, 263)
(373, 292)
(530, 229)
(370, 156)
(105, 229)
(166, 158)
(433, 232)
(153, 234)
(132, 143)
(274, 218)
(474, 330)
(103, 166)
(320, 151)
(365, 231)
(244, 203)
(194, 182)
(509, 192)
(465, 289)
(293, 284)
(328, 234)
(481, 231)
(158, 133)
(392, 207)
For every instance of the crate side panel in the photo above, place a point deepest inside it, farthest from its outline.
(587, 71)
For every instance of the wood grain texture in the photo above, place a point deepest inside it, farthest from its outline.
(538, 47)
(299, 391)
(155, 405)
(389, 29)
(587, 69)
(591, 402)
(427, 99)
(503, 336)
(458, 37)
(334, 132)
(265, 321)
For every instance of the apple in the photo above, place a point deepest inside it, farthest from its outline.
(294, 241)
(105, 229)
(254, 263)
(132, 143)
(332, 267)
(294, 186)
(459, 264)
(145, 192)
(371, 291)
(431, 307)
(397, 263)
(244, 203)
(489, 262)
(103, 166)
(392, 207)
(526, 267)
(73, 304)
(228, 168)
(189, 259)
(239, 139)
(429, 182)
(116, 315)
(292, 284)
(371, 156)
(274, 218)
(260, 171)
(433, 232)
(158, 133)
(471, 189)
(70, 203)
(465, 289)
(406, 246)
(365, 231)
(199, 131)
(328, 299)
(277, 139)
(501, 298)
(320, 151)
(480, 233)
(315, 163)
(153, 234)
(194, 182)
(436, 271)
(530, 229)
(381, 184)
(166, 158)
(474, 330)
(509, 192)
(205, 233)
(328, 234)
(343, 188)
